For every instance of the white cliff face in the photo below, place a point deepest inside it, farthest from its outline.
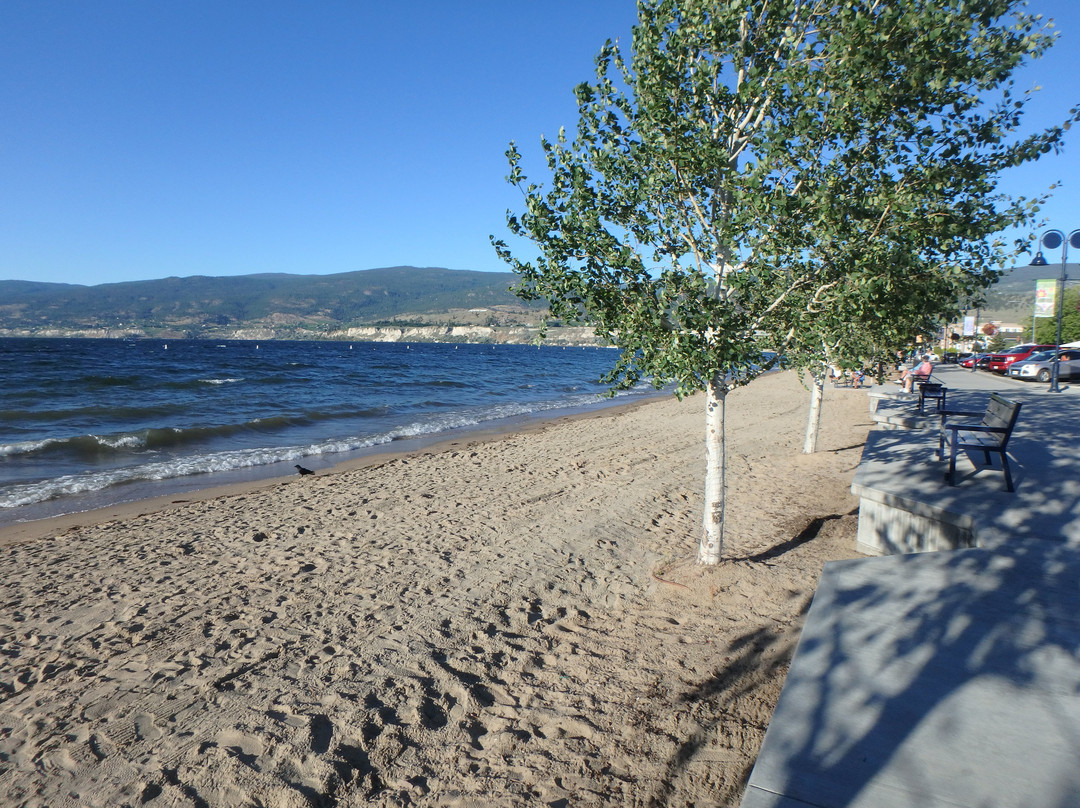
(253, 333)
(75, 333)
(472, 332)
(513, 335)
(427, 333)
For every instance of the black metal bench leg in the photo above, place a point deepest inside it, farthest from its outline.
(1008, 476)
(986, 459)
(952, 463)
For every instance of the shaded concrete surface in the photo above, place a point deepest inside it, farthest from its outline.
(901, 468)
(945, 678)
(933, 679)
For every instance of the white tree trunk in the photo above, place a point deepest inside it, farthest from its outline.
(711, 550)
(813, 425)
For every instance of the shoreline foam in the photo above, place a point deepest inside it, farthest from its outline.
(203, 485)
(92, 425)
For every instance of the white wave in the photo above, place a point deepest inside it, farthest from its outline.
(94, 481)
(120, 441)
(220, 381)
(25, 447)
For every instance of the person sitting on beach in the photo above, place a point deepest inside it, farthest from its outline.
(857, 377)
(920, 372)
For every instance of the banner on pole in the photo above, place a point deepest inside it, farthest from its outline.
(1045, 298)
(969, 326)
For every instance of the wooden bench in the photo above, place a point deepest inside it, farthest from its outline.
(928, 388)
(933, 390)
(989, 435)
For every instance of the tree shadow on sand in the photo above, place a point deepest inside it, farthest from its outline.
(746, 668)
(807, 534)
(757, 657)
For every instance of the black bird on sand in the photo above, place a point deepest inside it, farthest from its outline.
(303, 470)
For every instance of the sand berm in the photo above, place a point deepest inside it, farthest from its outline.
(497, 621)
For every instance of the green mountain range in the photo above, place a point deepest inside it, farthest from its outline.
(389, 303)
(277, 305)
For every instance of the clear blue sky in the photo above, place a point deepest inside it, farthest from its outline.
(219, 137)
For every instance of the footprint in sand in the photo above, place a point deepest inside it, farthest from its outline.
(322, 732)
(146, 729)
(432, 714)
(101, 746)
(244, 747)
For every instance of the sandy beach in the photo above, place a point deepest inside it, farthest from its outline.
(499, 621)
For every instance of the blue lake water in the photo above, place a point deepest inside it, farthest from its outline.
(90, 423)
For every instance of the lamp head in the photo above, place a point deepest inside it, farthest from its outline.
(1052, 239)
(1038, 260)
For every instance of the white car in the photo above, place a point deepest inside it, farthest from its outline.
(1041, 369)
(1041, 356)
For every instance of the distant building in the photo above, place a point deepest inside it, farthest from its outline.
(987, 330)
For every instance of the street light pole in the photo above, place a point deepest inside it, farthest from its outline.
(975, 343)
(1052, 239)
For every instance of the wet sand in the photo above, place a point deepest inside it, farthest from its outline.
(504, 620)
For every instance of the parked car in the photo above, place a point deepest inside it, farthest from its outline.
(1034, 359)
(967, 360)
(1000, 362)
(1043, 369)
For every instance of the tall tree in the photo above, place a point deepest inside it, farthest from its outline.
(907, 182)
(712, 201)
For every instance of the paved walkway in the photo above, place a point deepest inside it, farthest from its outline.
(946, 679)
(901, 467)
(935, 680)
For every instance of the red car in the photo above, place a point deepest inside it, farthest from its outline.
(1000, 362)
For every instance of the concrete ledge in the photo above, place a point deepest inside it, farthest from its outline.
(888, 530)
(901, 411)
(894, 520)
(905, 505)
(899, 421)
(877, 396)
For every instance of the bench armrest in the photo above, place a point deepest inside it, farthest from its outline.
(974, 428)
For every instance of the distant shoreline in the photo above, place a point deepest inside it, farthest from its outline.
(557, 336)
(56, 516)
